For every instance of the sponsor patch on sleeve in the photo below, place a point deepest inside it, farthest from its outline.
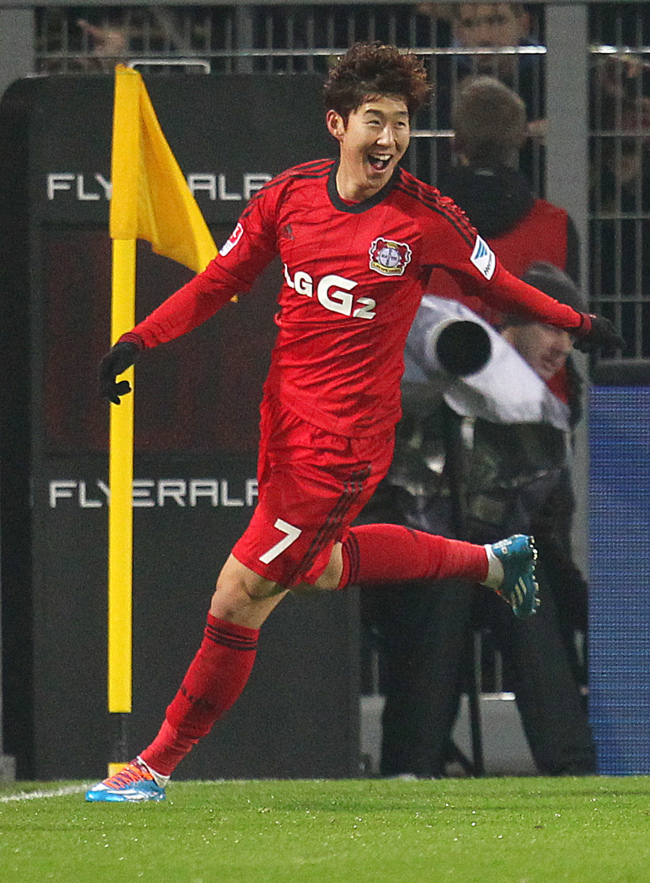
(235, 236)
(483, 258)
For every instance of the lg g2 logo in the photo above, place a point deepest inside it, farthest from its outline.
(332, 292)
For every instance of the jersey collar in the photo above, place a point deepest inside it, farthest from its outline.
(357, 207)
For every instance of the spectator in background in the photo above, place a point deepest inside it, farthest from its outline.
(109, 44)
(492, 26)
(489, 122)
(155, 31)
(620, 104)
(489, 133)
(470, 464)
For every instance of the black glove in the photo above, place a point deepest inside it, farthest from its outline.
(601, 335)
(117, 359)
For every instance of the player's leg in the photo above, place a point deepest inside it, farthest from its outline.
(242, 601)
(302, 509)
(389, 553)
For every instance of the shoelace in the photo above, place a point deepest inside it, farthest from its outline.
(130, 774)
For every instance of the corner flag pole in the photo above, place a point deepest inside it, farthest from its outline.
(120, 517)
(150, 200)
(124, 170)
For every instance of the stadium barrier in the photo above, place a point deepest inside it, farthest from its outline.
(619, 530)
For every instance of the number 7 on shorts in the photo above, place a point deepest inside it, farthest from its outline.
(291, 534)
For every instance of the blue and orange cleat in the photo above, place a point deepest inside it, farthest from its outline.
(133, 784)
(519, 588)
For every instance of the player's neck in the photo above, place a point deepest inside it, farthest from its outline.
(354, 188)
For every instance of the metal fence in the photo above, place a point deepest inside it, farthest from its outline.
(291, 39)
(619, 145)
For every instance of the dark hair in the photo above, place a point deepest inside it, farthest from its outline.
(555, 282)
(489, 122)
(371, 69)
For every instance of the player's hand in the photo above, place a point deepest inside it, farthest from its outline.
(117, 359)
(597, 333)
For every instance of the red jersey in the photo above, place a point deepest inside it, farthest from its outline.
(354, 275)
(541, 235)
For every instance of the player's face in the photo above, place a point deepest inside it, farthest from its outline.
(372, 142)
(544, 347)
(490, 25)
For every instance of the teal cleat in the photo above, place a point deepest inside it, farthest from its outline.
(133, 784)
(519, 588)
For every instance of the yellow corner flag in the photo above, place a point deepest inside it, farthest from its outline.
(150, 200)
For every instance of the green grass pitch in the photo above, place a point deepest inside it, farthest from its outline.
(493, 830)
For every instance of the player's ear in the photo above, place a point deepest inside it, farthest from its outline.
(335, 124)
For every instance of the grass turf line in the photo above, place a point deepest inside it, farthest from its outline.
(506, 830)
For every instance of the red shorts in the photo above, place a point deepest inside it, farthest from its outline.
(312, 485)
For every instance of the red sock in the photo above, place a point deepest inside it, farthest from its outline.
(216, 677)
(384, 553)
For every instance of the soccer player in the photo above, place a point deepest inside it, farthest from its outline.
(357, 238)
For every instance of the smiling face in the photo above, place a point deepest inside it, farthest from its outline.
(372, 141)
(544, 347)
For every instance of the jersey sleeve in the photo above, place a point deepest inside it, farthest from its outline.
(512, 295)
(251, 246)
(453, 245)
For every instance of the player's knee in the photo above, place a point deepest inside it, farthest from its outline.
(237, 604)
(229, 601)
(238, 589)
(330, 578)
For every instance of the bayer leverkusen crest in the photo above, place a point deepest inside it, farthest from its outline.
(389, 257)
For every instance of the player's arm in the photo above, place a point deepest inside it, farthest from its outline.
(233, 271)
(513, 295)
(187, 308)
(478, 271)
